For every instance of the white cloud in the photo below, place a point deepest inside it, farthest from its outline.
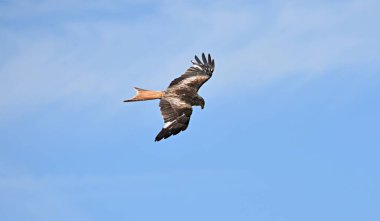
(307, 40)
(81, 59)
(63, 197)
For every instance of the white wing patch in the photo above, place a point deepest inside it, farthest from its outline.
(167, 124)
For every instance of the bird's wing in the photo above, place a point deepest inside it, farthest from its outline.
(195, 76)
(176, 114)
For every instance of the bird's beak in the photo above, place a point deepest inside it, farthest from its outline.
(202, 106)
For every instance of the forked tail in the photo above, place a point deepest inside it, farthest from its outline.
(143, 95)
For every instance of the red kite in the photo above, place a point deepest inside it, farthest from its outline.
(177, 100)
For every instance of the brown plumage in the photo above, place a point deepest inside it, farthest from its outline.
(177, 100)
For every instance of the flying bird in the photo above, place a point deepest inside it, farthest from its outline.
(177, 100)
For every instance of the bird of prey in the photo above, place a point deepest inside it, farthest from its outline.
(177, 100)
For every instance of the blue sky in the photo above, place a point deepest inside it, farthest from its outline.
(290, 130)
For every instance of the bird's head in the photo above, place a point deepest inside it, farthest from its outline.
(200, 101)
(202, 104)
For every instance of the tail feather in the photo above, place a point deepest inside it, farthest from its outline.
(143, 95)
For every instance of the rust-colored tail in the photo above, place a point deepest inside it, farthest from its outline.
(143, 95)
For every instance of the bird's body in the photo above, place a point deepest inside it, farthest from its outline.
(177, 100)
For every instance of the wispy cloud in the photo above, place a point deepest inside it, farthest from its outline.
(62, 197)
(36, 199)
(79, 57)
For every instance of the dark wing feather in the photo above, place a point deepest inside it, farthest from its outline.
(197, 59)
(204, 58)
(195, 76)
(176, 116)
